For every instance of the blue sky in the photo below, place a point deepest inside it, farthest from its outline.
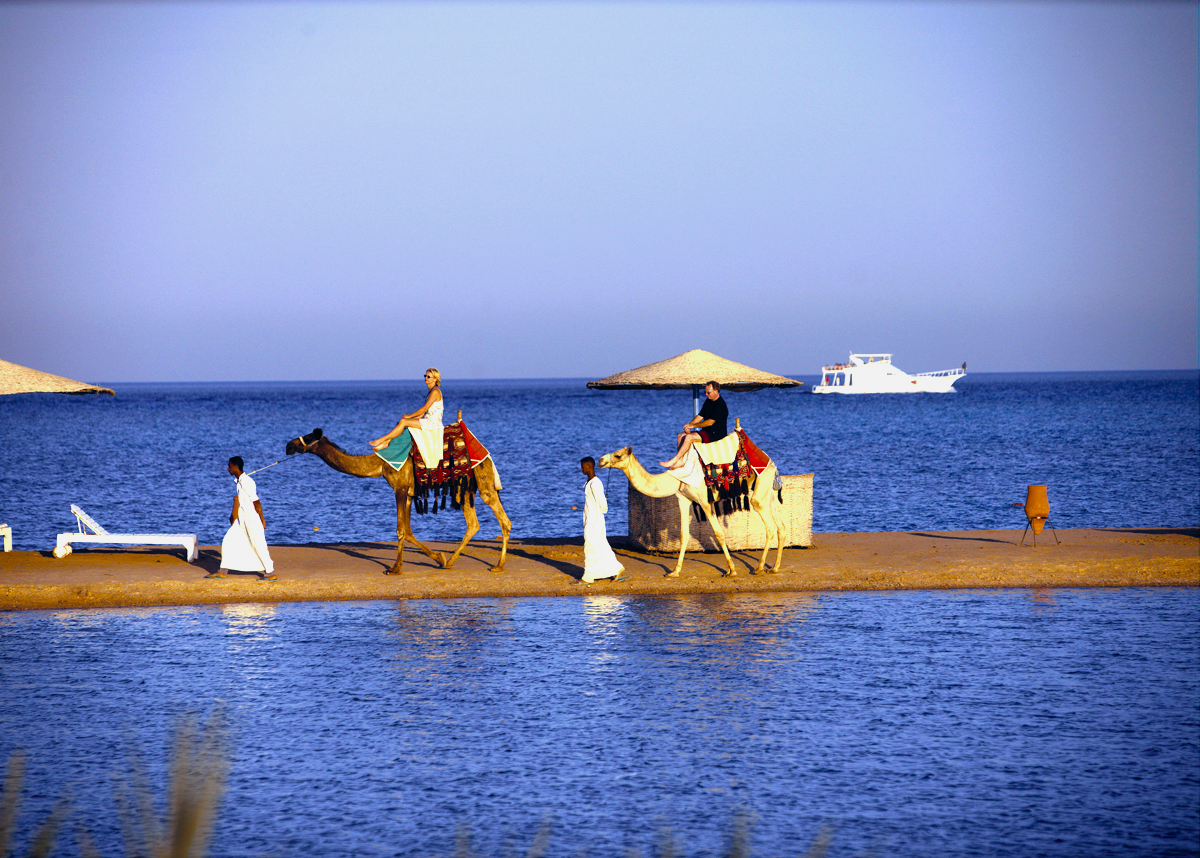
(257, 191)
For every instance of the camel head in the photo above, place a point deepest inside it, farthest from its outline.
(305, 443)
(619, 459)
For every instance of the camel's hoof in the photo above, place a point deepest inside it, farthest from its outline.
(391, 571)
(496, 569)
(674, 574)
(441, 559)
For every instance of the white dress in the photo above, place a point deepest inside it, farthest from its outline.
(428, 436)
(432, 418)
(244, 547)
(599, 561)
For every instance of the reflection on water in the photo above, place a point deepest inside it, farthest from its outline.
(601, 612)
(1042, 599)
(446, 634)
(251, 621)
(1008, 723)
(602, 622)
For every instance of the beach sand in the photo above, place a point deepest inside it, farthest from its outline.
(132, 577)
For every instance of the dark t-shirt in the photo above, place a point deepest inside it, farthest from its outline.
(718, 412)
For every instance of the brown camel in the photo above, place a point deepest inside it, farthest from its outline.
(763, 500)
(402, 483)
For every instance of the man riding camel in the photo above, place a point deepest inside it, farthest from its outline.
(706, 427)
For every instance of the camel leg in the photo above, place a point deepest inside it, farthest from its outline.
(782, 526)
(769, 528)
(472, 520)
(775, 527)
(489, 495)
(684, 534)
(719, 533)
(765, 509)
(775, 504)
(404, 533)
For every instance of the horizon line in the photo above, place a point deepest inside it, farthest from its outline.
(795, 376)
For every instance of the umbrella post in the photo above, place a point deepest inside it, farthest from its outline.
(696, 399)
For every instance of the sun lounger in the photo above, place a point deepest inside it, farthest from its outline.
(6, 532)
(99, 534)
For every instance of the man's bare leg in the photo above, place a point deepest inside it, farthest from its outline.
(685, 444)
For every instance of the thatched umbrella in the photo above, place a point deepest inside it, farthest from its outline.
(692, 370)
(15, 378)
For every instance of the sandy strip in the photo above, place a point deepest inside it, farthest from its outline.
(132, 577)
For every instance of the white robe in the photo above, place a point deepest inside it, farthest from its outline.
(244, 547)
(598, 558)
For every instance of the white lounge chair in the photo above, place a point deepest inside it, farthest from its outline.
(99, 534)
(6, 532)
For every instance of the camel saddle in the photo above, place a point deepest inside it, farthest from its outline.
(452, 478)
(728, 465)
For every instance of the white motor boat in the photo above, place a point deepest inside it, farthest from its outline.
(877, 374)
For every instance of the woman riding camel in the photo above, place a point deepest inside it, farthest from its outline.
(428, 416)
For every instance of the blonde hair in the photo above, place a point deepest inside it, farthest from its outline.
(437, 376)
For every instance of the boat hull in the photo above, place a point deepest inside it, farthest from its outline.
(937, 384)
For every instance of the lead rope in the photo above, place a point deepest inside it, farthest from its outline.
(273, 464)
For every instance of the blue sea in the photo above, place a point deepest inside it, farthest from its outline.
(1115, 449)
(968, 723)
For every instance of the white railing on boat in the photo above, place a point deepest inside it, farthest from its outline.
(941, 373)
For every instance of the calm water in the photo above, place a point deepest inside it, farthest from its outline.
(1116, 449)
(1000, 723)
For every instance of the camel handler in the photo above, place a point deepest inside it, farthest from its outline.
(599, 561)
(245, 545)
(707, 426)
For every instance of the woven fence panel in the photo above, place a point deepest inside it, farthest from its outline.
(654, 522)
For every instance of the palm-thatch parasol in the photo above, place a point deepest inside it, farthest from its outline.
(692, 370)
(15, 378)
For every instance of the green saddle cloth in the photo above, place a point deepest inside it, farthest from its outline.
(396, 453)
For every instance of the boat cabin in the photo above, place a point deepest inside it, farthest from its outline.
(842, 374)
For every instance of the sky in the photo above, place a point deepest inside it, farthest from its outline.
(285, 191)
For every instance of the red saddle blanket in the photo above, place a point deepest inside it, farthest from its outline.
(756, 458)
(729, 484)
(452, 478)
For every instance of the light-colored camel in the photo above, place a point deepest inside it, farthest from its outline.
(763, 500)
(403, 483)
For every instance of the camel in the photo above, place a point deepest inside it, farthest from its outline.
(402, 482)
(763, 500)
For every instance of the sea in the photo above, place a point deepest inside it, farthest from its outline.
(1114, 449)
(1007, 722)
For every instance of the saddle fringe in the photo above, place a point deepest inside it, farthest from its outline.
(724, 503)
(457, 492)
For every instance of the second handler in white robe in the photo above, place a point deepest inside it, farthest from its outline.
(244, 547)
(599, 561)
